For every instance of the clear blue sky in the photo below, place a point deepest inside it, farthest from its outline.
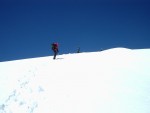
(28, 27)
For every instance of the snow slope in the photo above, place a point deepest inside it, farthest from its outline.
(111, 81)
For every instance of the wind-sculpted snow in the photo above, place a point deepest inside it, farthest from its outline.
(110, 81)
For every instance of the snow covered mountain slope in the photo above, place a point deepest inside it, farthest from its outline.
(111, 81)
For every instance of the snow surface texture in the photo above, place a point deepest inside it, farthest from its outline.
(111, 81)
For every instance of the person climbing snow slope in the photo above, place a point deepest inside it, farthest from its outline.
(55, 49)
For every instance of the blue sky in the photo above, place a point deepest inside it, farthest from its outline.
(27, 28)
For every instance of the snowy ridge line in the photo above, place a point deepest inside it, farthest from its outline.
(49, 57)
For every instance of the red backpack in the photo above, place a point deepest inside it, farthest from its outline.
(55, 46)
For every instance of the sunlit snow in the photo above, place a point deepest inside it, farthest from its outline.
(111, 81)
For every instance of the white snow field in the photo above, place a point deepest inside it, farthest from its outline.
(111, 81)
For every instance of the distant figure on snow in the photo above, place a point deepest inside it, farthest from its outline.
(78, 50)
(55, 49)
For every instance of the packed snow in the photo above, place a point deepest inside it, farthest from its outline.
(110, 81)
